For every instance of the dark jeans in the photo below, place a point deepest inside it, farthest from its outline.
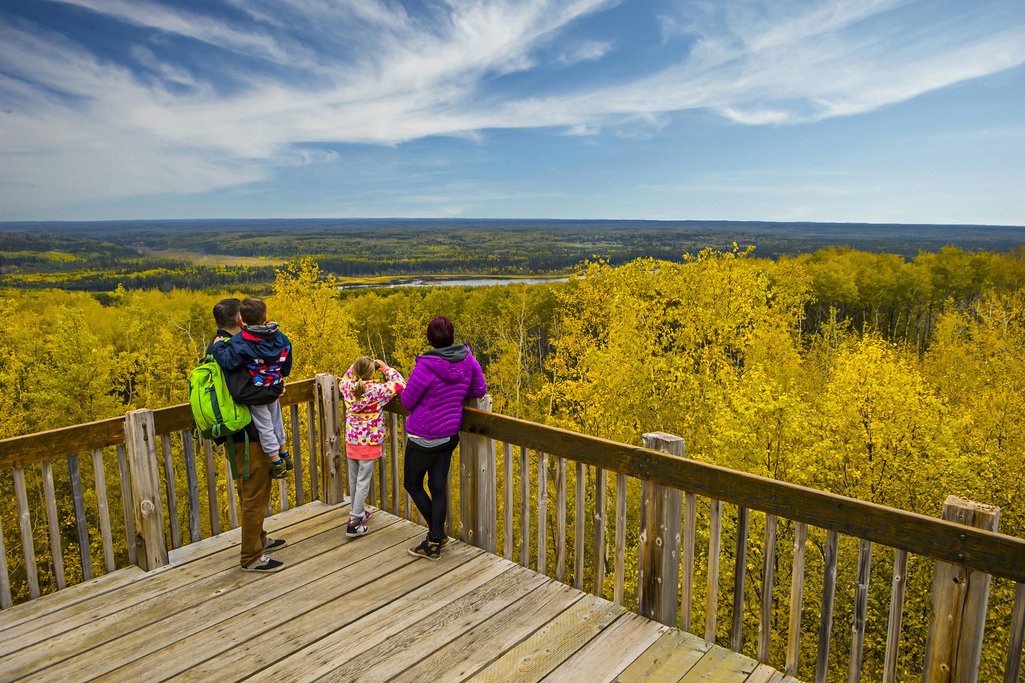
(434, 462)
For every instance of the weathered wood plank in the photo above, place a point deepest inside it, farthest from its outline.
(22, 451)
(768, 577)
(826, 613)
(690, 507)
(765, 674)
(126, 504)
(331, 450)
(297, 456)
(397, 601)
(997, 554)
(618, 587)
(56, 551)
(658, 562)
(470, 652)
(720, 665)
(712, 585)
(560, 520)
(600, 484)
(140, 439)
(81, 521)
(232, 496)
(860, 611)
(17, 616)
(100, 483)
(28, 550)
(1016, 636)
(5, 579)
(172, 497)
(524, 507)
(542, 513)
(796, 598)
(667, 660)
(507, 501)
(192, 478)
(552, 644)
(311, 436)
(393, 440)
(893, 624)
(609, 652)
(213, 506)
(739, 573)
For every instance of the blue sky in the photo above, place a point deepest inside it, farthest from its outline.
(839, 110)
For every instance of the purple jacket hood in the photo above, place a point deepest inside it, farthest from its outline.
(441, 380)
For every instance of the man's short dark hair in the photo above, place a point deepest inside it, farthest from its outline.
(253, 311)
(226, 313)
(440, 332)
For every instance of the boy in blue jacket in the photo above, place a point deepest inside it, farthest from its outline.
(266, 353)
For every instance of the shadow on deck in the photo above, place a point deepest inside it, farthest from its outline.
(344, 610)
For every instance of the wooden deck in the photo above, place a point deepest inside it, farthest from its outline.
(345, 610)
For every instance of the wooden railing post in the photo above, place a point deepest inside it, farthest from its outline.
(659, 561)
(332, 456)
(478, 482)
(148, 508)
(959, 599)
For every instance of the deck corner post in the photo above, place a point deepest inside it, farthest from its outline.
(148, 508)
(332, 455)
(658, 562)
(959, 599)
(478, 485)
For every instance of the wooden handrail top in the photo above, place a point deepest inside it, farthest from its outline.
(20, 451)
(993, 553)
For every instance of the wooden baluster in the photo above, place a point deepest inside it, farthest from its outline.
(712, 590)
(768, 576)
(172, 499)
(127, 504)
(311, 437)
(188, 447)
(1012, 668)
(579, 501)
(796, 598)
(860, 611)
(25, 522)
(382, 481)
(211, 487)
(826, 615)
(690, 507)
(542, 513)
(140, 438)
(332, 454)
(100, 482)
(56, 551)
(620, 550)
(739, 575)
(507, 500)
(297, 455)
(600, 484)
(393, 439)
(81, 521)
(560, 520)
(232, 493)
(524, 507)
(282, 494)
(5, 579)
(899, 583)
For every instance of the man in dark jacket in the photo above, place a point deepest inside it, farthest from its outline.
(254, 492)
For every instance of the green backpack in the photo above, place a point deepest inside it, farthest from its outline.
(215, 412)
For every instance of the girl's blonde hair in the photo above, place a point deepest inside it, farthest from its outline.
(363, 368)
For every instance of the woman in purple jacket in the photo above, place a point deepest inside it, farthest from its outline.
(441, 380)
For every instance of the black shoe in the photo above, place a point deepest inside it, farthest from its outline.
(427, 550)
(265, 565)
(273, 544)
(443, 542)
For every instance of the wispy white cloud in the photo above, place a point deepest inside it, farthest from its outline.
(75, 123)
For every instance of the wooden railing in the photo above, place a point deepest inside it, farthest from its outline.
(672, 522)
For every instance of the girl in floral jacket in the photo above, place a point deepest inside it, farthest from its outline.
(364, 399)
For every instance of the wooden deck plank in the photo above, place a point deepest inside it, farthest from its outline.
(668, 659)
(110, 646)
(418, 585)
(720, 665)
(766, 674)
(609, 652)
(477, 648)
(360, 653)
(332, 594)
(150, 593)
(556, 641)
